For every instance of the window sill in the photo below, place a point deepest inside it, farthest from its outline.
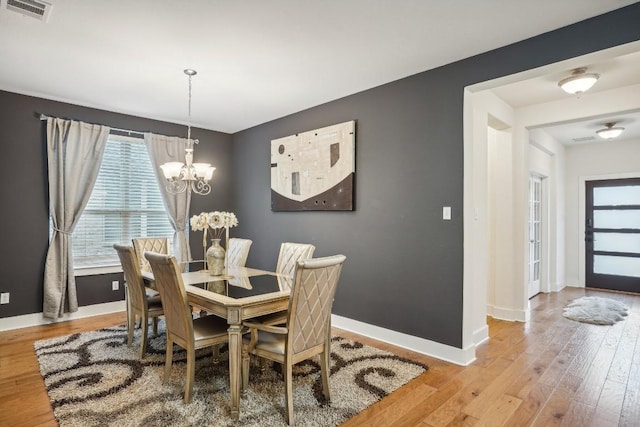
(94, 271)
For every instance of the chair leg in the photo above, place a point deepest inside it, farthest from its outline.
(191, 368)
(216, 353)
(126, 304)
(324, 372)
(288, 384)
(143, 340)
(266, 364)
(325, 363)
(155, 326)
(131, 321)
(168, 360)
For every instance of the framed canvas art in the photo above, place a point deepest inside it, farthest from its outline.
(314, 170)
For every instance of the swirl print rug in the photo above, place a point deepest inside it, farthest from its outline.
(95, 379)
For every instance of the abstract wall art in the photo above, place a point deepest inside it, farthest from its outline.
(314, 170)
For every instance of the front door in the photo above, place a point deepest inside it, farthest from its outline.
(612, 234)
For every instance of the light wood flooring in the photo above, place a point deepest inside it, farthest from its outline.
(549, 371)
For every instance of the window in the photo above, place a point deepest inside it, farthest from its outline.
(125, 203)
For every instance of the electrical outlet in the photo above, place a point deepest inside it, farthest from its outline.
(4, 298)
(115, 285)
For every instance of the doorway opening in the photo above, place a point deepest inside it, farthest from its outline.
(541, 108)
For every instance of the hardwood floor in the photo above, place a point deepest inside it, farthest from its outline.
(549, 371)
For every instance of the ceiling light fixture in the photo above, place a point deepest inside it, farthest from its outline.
(188, 176)
(610, 132)
(579, 81)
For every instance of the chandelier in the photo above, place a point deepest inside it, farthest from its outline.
(188, 176)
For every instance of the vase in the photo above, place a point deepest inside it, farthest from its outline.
(215, 258)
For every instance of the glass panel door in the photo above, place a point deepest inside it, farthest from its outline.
(612, 234)
(535, 234)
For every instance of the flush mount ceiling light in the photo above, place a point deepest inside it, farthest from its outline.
(610, 131)
(579, 81)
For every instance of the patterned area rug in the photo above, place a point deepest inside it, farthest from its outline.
(95, 379)
(596, 310)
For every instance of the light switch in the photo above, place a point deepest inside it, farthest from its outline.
(446, 212)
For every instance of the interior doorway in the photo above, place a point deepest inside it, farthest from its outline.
(529, 102)
(612, 234)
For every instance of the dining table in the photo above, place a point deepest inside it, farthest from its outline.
(240, 293)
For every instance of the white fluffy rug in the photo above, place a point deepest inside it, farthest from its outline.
(596, 310)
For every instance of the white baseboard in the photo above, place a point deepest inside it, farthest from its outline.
(481, 335)
(36, 319)
(508, 314)
(573, 285)
(455, 355)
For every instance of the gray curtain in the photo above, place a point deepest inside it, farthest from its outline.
(164, 149)
(74, 154)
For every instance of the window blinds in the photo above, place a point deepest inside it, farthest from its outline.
(125, 203)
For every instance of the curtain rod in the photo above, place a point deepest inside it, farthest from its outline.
(128, 132)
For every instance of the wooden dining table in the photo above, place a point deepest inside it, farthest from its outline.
(240, 293)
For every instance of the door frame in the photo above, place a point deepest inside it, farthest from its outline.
(582, 202)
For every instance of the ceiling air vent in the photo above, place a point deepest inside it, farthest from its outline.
(584, 139)
(35, 9)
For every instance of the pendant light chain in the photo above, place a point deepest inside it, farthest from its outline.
(189, 113)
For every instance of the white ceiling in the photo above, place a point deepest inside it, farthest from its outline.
(257, 60)
(618, 72)
(584, 131)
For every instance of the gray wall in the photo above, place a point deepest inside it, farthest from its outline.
(404, 263)
(24, 216)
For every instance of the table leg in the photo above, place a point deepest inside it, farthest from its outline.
(235, 371)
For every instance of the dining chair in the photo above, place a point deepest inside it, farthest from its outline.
(238, 251)
(290, 254)
(182, 329)
(307, 331)
(138, 302)
(158, 245)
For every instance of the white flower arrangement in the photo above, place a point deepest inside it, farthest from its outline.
(213, 222)
(199, 222)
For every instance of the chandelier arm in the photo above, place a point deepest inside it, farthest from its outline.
(201, 187)
(176, 186)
